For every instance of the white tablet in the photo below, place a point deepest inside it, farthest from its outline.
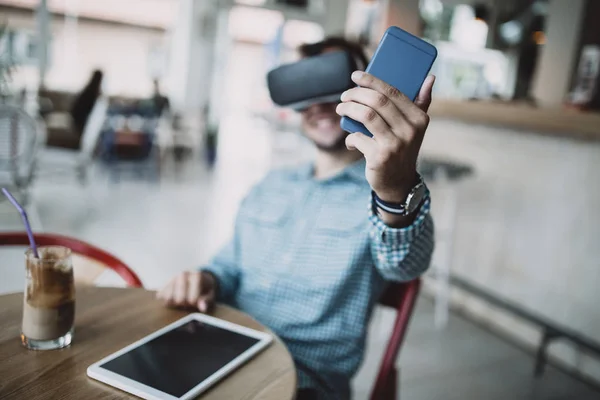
(180, 360)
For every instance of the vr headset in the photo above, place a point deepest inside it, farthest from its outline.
(318, 79)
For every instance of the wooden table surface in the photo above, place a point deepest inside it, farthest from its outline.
(106, 320)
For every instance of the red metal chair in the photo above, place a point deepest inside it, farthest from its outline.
(402, 297)
(77, 247)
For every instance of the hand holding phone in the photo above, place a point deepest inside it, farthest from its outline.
(402, 61)
(386, 115)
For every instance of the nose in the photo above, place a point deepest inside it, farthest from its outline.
(320, 108)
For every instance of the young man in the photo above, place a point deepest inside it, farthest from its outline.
(313, 247)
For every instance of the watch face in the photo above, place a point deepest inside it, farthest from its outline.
(415, 198)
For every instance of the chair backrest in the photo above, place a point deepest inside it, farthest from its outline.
(18, 141)
(78, 247)
(401, 296)
(93, 127)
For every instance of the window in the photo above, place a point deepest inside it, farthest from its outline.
(19, 47)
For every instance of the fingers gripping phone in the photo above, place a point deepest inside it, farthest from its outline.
(401, 60)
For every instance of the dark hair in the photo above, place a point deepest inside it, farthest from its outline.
(355, 49)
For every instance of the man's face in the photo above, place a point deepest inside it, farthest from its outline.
(321, 124)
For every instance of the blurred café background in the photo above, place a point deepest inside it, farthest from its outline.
(184, 126)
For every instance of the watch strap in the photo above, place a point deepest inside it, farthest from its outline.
(392, 208)
(395, 208)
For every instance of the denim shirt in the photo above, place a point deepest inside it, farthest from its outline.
(310, 259)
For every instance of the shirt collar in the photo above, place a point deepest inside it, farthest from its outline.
(354, 171)
(305, 172)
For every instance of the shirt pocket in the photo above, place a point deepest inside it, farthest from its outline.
(335, 246)
(340, 221)
(343, 214)
(262, 233)
(266, 213)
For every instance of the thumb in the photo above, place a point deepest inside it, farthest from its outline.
(206, 301)
(424, 97)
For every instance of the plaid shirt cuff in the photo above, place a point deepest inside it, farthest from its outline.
(397, 237)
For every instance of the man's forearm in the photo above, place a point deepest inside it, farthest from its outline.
(403, 253)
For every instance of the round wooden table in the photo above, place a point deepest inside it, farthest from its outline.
(108, 319)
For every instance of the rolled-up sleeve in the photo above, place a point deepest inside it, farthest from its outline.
(402, 254)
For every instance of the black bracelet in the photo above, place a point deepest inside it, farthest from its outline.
(392, 208)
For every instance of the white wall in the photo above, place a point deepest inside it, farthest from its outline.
(557, 57)
(120, 51)
(528, 226)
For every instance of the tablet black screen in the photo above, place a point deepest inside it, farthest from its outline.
(180, 359)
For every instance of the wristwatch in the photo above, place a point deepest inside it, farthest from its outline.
(411, 204)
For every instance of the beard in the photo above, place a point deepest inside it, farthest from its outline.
(335, 147)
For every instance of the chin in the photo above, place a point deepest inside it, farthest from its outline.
(334, 143)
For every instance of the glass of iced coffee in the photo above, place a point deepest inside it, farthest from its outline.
(49, 299)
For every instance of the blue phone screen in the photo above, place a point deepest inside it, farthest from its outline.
(402, 65)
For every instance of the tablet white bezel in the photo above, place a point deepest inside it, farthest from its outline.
(96, 371)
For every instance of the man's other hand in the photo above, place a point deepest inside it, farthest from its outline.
(190, 289)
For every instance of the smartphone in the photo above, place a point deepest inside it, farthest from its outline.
(401, 60)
